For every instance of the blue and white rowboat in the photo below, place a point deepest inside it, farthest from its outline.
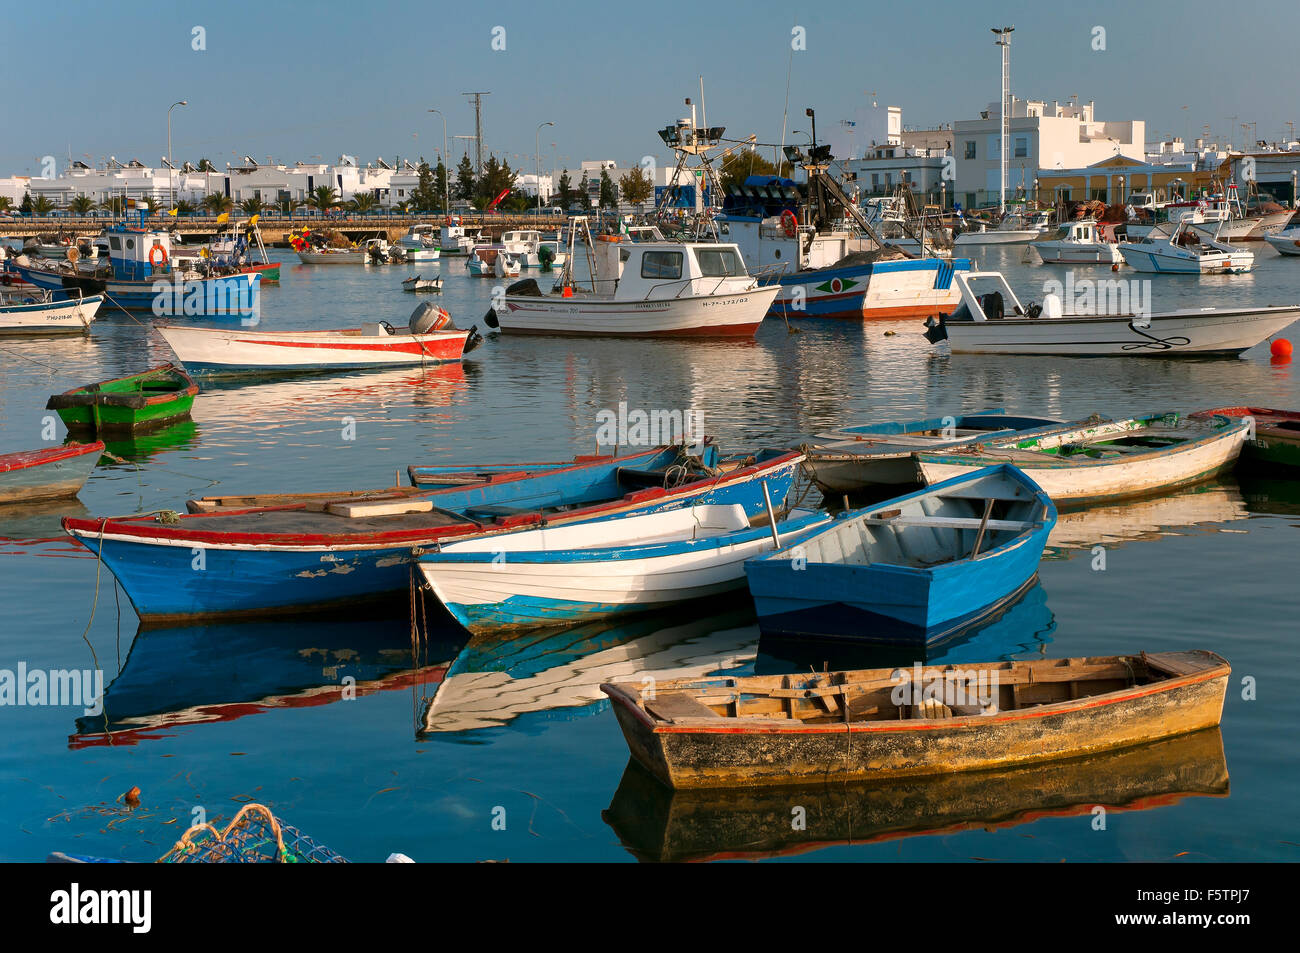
(572, 574)
(911, 571)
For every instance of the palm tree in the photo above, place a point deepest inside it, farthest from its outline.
(289, 205)
(216, 203)
(153, 204)
(363, 202)
(184, 207)
(81, 205)
(252, 206)
(6, 203)
(323, 198)
(42, 206)
(114, 205)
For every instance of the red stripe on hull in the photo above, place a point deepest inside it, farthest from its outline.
(724, 331)
(877, 314)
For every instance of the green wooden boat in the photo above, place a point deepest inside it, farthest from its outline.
(155, 398)
(1275, 439)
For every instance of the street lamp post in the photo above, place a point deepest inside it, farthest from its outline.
(538, 169)
(1004, 41)
(171, 182)
(446, 169)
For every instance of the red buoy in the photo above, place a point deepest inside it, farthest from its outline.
(1281, 349)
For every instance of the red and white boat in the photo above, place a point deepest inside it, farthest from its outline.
(431, 339)
(51, 474)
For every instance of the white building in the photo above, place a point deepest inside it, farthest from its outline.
(1041, 135)
(870, 127)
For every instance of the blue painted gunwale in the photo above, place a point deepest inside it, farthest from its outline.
(924, 604)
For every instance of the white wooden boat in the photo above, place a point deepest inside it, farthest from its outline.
(482, 260)
(420, 243)
(1185, 250)
(1078, 243)
(533, 251)
(418, 283)
(457, 239)
(222, 351)
(567, 575)
(645, 289)
(1013, 229)
(1287, 241)
(1269, 223)
(992, 320)
(35, 312)
(852, 459)
(1107, 461)
(507, 265)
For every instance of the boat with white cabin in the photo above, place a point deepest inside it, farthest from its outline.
(1078, 243)
(532, 250)
(36, 312)
(1185, 249)
(420, 243)
(642, 289)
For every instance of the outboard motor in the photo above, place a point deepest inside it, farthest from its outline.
(546, 257)
(428, 317)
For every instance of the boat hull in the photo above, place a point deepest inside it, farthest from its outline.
(1154, 261)
(1077, 253)
(1199, 333)
(125, 410)
(216, 351)
(731, 315)
(71, 316)
(1014, 236)
(880, 290)
(1104, 479)
(53, 474)
(1286, 243)
(696, 753)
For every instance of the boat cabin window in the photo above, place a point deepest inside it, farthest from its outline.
(130, 243)
(992, 305)
(661, 264)
(115, 244)
(719, 262)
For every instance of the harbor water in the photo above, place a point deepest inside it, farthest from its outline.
(445, 749)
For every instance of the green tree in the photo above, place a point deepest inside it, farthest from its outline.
(81, 205)
(323, 198)
(216, 203)
(153, 204)
(608, 197)
(584, 192)
(636, 186)
(184, 207)
(26, 205)
(363, 202)
(252, 206)
(206, 166)
(497, 177)
(6, 203)
(114, 205)
(465, 184)
(42, 206)
(441, 187)
(426, 194)
(565, 190)
(739, 166)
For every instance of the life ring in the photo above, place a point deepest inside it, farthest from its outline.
(162, 260)
(453, 220)
(789, 223)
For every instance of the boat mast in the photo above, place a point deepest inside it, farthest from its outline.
(1004, 41)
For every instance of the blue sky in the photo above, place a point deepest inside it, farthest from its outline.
(323, 78)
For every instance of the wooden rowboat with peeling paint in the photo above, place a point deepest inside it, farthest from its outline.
(881, 723)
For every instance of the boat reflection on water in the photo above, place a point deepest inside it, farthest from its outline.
(1271, 495)
(1021, 630)
(25, 526)
(139, 448)
(655, 823)
(286, 398)
(1196, 508)
(201, 674)
(494, 681)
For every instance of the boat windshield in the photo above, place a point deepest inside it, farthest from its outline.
(719, 262)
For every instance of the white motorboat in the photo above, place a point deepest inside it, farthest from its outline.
(420, 243)
(991, 320)
(36, 312)
(482, 260)
(532, 251)
(457, 239)
(1078, 243)
(1287, 241)
(1013, 229)
(646, 289)
(507, 265)
(1185, 250)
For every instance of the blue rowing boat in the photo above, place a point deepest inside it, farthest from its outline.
(323, 553)
(913, 570)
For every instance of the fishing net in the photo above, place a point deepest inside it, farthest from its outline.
(254, 836)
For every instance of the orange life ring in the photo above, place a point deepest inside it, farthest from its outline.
(162, 251)
(789, 223)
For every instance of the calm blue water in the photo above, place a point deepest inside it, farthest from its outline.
(214, 716)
